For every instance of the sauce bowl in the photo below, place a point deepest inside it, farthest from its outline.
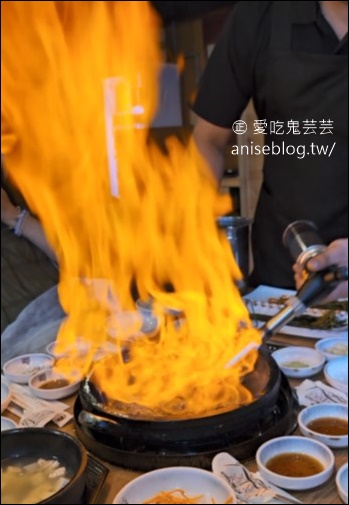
(333, 415)
(292, 446)
(51, 385)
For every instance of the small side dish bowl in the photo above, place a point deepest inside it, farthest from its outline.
(295, 463)
(5, 396)
(39, 452)
(336, 373)
(144, 306)
(51, 385)
(325, 422)
(21, 368)
(342, 482)
(78, 349)
(7, 424)
(123, 325)
(189, 482)
(333, 347)
(299, 362)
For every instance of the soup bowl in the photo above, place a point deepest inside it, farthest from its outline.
(26, 446)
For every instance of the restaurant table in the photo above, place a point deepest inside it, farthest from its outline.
(326, 493)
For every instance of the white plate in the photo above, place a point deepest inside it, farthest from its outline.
(193, 481)
(259, 304)
(20, 369)
(309, 360)
(7, 424)
(5, 396)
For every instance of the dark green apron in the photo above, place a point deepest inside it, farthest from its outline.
(301, 87)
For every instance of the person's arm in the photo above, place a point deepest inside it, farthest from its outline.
(335, 254)
(228, 81)
(211, 142)
(31, 228)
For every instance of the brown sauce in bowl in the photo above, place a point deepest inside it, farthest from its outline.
(293, 464)
(55, 384)
(329, 426)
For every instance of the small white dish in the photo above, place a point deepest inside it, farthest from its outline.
(83, 350)
(20, 369)
(342, 482)
(50, 349)
(293, 447)
(144, 306)
(330, 414)
(336, 373)
(192, 481)
(123, 325)
(7, 424)
(130, 325)
(5, 396)
(57, 385)
(299, 362)
(78, 349)
(333, 347)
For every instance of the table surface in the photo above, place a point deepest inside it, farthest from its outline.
(327, 493)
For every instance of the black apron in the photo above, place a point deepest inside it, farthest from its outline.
(301, 87)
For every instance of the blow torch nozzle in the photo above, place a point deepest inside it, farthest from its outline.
(315, 288)
(303, 242)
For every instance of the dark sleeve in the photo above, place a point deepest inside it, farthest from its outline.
(26, 272)
(228, 80)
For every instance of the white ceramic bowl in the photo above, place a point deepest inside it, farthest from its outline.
(55, 393)
(20, 369)
(144, 306)
(5, 396)
(24, 446)
(79, 349)
(130, 325)
(296, 445)
(299, 362)
(336, 373)
(342, 482)
(122, 325)
(333, 347)
(193, 481)
(7, 424)
(332, 411)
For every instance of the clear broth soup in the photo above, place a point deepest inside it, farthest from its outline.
(28, 481)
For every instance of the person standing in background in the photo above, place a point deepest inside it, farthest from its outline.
(291, 59)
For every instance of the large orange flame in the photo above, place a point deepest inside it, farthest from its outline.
(64, 66)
